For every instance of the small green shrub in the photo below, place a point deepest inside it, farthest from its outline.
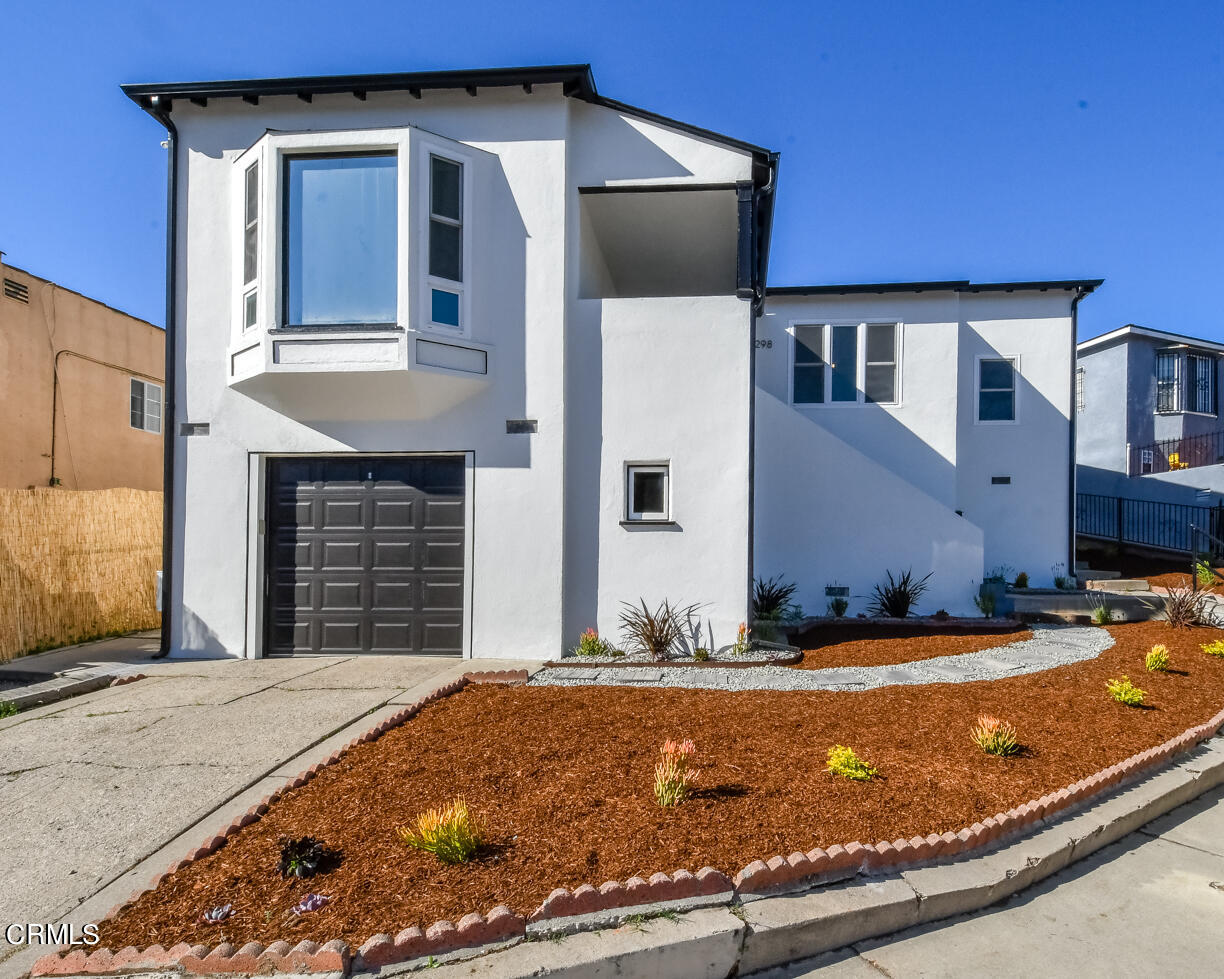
(1205, 575)
(995, 737)
(452, 834)
(843, 761)
(1125, 692)
(701, 654)
(1158, 659)
(1102, 610)
(591, 644)
(1061, 581)
(1022, 580)
(1215, 648)
(894, 597)
(838, 606)
(985, 603)
(305, 856)
(7, 708)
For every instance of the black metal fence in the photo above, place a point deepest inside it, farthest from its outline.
(1166, 526)
(1170, 455)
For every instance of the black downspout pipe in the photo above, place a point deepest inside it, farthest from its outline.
(162, 114)
(1074, 410)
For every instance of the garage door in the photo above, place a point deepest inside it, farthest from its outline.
(365, 555)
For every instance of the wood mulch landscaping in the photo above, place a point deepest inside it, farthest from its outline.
(562, 779)
(885, 645)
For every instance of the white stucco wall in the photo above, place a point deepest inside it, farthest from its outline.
(523, 304)
(847, 491)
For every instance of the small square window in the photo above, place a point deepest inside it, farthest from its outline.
(647, 492)
(445, 308)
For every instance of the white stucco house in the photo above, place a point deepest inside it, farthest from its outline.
(458, 362)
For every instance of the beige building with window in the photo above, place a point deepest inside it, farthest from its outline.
(81, 392)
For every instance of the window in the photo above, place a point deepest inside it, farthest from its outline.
(445, 241)
(809, 370)
(997, 389)
(647, 492)
(826, 358)
(1168, 381)
(340, 240)
(1146, 460)
(880, 382)
(250, 246)
(1200, 377)
(146, 406)
(1079, 389)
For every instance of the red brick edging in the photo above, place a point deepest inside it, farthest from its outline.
(774, 875)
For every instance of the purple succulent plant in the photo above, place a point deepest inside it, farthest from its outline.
(311, 902)
(214, 916)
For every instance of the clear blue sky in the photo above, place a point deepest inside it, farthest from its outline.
(926, 140)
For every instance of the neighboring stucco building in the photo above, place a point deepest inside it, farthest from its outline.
(1148, 413)
(464, 360)
(80, 390)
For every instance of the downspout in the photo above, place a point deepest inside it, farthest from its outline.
(1074, 411)
(162, 114)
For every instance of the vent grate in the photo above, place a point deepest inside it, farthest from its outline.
(17, 290)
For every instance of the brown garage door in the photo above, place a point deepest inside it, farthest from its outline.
(365, 555)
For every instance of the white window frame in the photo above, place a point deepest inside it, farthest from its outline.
(860, 378)
(1079, 390)
(977, 390)
(250, 286)
(427, 149)
(638, 516)
(150, 422)
(271, 151)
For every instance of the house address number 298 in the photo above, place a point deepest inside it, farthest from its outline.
(764, 344)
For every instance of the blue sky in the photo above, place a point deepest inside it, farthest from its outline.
(928, 140)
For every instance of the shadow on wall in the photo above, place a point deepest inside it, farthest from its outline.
(828, 514)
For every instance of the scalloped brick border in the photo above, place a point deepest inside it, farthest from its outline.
(778, 874)
(119, 681)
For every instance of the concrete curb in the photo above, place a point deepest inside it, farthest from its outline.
(781, 925)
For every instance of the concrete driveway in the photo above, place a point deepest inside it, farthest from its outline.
(91, 786)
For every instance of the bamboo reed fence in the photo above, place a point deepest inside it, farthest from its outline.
(75, 565)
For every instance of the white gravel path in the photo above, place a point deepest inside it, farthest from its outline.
(1050, 646)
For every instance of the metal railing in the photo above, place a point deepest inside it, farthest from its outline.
(1148, 523)
(1170, 455)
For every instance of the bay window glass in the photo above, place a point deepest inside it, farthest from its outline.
(445, 238)
(843, 359)
(340, 240)
(880, 382)
(809, 368)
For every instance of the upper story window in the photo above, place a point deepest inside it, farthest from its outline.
(1185, 382)
(445, 241)
(146, 406)
(250, 246)
(996, 399)
(1079, 389)
(340, 240)
(845, 363)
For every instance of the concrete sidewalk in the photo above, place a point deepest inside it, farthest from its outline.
(1151, 904)
(93, 785)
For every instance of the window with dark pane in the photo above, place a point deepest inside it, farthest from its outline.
(843, 359)
(881, 363)
(1168, 381)
(445, 219)
(1201, 373)
(809, 366)
(250, 235)
(647, 492)
(996, 389)
(137, 404)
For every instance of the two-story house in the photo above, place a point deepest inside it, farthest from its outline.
(1148, 407)
(464, 360)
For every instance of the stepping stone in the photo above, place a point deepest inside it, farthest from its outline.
(952, 671)
(843, 678)
(999, 665)
(589, 675)
(632, 676)
(896, 674)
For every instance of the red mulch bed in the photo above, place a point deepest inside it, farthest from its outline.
(562, 778)
(885, 645)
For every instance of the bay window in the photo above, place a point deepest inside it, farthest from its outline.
(1185, 382)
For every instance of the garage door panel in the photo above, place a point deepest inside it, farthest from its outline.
(394, 595)
(366, 555)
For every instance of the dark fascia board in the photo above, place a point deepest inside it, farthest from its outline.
(1082, 286)
(576, 81)
(653, 188)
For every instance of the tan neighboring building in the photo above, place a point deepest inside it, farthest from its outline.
(81, 390)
